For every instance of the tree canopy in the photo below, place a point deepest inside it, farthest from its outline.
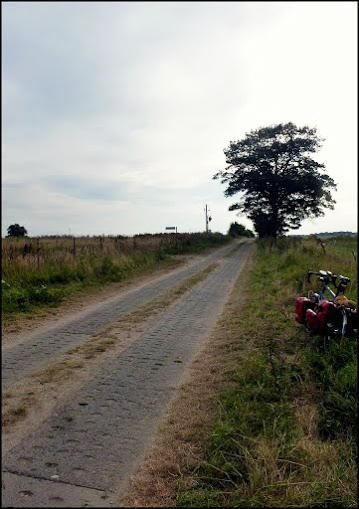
(281, 184)
(15, 230)
(238, 230)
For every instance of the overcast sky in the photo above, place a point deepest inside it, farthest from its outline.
(115, 114)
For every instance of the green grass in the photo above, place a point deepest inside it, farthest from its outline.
(285, 430)
(336, 375)
(29, 287)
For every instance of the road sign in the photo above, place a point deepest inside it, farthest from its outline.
(171, 227)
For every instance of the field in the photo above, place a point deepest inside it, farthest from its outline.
(41, 272)
(267, 419)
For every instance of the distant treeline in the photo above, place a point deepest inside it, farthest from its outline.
(337, 234)
(329, 234)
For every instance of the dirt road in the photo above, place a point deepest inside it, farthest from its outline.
(81, 451)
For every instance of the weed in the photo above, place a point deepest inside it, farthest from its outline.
(11, 415)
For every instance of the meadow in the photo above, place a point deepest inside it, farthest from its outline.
(43, 271)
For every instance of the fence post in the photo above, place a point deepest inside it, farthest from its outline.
(38, 252)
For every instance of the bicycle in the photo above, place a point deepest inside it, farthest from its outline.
(330, 318)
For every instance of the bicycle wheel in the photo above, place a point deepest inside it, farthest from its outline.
(331, 334)
(326, 343)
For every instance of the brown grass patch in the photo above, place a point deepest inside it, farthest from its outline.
(57, 371)
(28, 393)
(307, 415)
(12, 415)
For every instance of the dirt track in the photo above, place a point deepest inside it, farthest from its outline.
(80, 450)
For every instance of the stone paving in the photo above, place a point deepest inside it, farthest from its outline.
(92, 443)
(41, 347)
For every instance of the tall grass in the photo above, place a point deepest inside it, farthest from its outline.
(43, 271)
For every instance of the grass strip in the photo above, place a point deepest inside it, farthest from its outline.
(236, 249)
(156, 305)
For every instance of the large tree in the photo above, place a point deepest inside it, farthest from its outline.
(281, 184)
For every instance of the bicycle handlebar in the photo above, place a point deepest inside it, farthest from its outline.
(326, 276)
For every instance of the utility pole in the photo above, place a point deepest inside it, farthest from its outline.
(208, 218)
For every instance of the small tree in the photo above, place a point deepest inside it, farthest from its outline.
(15, 230)
(238, 230)
(281, 184)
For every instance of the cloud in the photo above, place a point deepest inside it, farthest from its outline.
(108, 105)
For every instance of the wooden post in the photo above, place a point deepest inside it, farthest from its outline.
(38, 253)
(74, 247)
(321, 244)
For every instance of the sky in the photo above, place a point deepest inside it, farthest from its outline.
(115, 115)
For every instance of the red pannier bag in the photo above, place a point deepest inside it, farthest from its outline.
(328, 312)
(300, 308)
(312, 320)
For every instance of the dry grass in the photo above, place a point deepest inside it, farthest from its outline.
(28, 394)
(57, 372)
(12, 415)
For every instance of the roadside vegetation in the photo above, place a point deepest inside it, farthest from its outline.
(40, 273)
(286, 430)
(266, 420)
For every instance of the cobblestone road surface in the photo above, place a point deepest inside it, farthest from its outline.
(40, 347)
(87, 449)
